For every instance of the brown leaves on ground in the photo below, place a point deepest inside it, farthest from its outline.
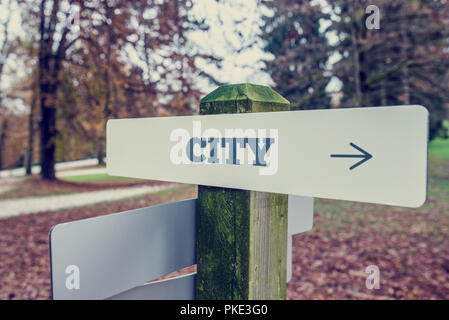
(410, 247)
(24, 248)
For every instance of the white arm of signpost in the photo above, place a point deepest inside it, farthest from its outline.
(300, 219)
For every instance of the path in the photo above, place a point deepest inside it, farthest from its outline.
(15, 207)
(58, 166)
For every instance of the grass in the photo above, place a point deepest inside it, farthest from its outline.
(439, 148)
(96, 166)
(98, 177)
(439, 170)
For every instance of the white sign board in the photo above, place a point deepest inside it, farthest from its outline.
(300, 214)
(300, 219)
(100, 257)
(376, 155)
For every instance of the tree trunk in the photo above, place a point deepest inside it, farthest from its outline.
(49, 66)
(356, 61)
(100, 153)
(404, 57)
(48, 96)
(48, 132)
(4, 129)
(31, 130)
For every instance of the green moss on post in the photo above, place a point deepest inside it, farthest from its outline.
(242, 235)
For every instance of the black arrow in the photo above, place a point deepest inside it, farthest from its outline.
(365, 155)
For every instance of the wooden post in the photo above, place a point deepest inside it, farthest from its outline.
(242, 235)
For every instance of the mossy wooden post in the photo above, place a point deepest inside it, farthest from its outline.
(242, 234)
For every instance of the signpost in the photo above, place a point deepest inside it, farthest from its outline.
(116, 255)
(257, 164)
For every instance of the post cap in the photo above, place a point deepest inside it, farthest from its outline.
(245, 91)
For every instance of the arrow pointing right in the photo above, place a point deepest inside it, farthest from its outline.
(365, 156)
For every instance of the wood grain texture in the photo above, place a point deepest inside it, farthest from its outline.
(242, 234)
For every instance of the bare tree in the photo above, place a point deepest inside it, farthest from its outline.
(53, 46)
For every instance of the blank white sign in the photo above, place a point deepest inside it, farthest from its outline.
(117, 252)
